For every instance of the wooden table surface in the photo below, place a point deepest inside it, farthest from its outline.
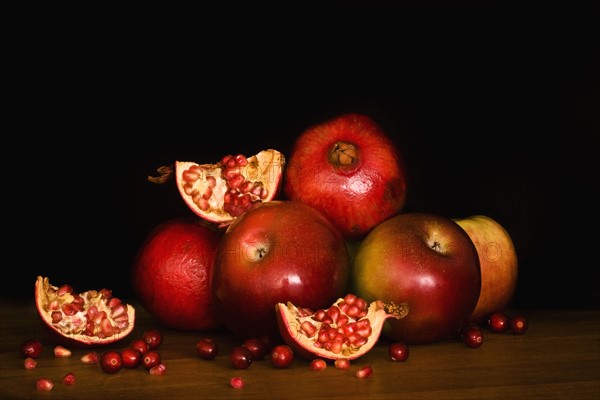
(557, 358)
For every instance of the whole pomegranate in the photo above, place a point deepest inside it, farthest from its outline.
(171, 274)
(276, 252)
(350, 170)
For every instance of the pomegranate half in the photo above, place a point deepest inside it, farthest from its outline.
(90, 318)
(223, 191)
(348, 329)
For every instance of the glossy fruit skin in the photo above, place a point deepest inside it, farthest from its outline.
(396, 263)
(278, 251)
(257, 347)
(473, 336)
(207, 348)
(132, 358)
(356, 196)
(398, 351)
(518, 324)
(499, 322)
(240, 357)
(153, 338)
(498, 262)
(282, 356)
(171, 274)
(111, 361)
(150, 359)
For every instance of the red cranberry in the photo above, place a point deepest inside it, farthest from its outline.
(207, 348)
(153, 337)
(518, 324)
(140, 345)
(473, 336)
(132, 358)
(151, 359)
(282, 356)
(498, 322)
(111, 361)
(398, 351)
(257, 347)
(31, 348)
(240, 357)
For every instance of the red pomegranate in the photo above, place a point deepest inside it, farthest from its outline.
(171, 274)
(350, 170)
(347, 329)
(90, 318)
(222, 191)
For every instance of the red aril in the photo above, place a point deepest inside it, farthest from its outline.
(90, 318)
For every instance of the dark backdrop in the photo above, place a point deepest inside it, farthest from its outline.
(488, 124)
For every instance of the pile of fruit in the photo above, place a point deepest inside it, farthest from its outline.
(312, 250)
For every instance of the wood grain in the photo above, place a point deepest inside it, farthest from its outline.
(557, 358)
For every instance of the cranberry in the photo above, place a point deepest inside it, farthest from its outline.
(151, 359)
(240, 357)
(282, 356)
(518, 324)
(398, 351)
(207, 348)
(31, 348)
(153, 337)
(140, 345)
(473, 336)
(498, 322)
(257, 347)
(132, 358)
(111, 361)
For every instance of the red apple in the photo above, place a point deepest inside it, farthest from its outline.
(349, 169)
(427, 261)
(277, 252)
(499, 264)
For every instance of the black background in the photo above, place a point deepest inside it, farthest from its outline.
(494, 116)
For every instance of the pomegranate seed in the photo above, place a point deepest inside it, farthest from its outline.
(518, 324)
(498, 322)
(473, 337)
(342, 363)
(158, 370)
(29, 363)
(364, 372)
(44, 384)
(318, 364)
(282, 356)
(69, 379)
(90, 358)
(236, 382)
(62, 352)
(240, 357)
(207, 348)
(398, 351)
(31, 348)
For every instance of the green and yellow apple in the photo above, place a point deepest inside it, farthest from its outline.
(427, 261)
(498, 261)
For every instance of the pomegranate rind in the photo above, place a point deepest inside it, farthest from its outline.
(265, 167)
(290, 318)
(45, 293)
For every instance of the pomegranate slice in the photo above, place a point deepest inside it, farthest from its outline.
(223, 191)
(348, 329)
(90, 318)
